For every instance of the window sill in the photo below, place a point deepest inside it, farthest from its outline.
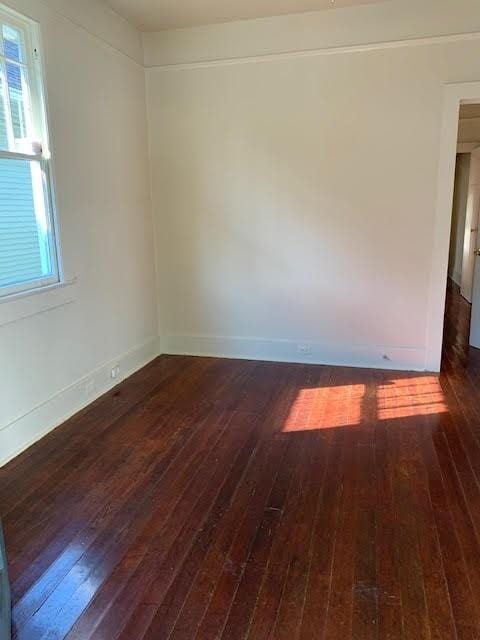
(30, 303)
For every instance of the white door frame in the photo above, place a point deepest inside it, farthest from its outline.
(453, 96)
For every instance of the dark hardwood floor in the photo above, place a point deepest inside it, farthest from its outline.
(207, 499)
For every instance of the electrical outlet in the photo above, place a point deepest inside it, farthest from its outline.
(115, 373)
(305, 349)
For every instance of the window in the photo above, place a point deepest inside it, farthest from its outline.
(28, 245)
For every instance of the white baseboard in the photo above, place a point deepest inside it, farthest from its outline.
(376, 357)
(24, 431)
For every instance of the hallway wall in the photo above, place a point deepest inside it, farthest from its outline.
(458, 217)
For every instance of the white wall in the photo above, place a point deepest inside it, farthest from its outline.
(96, 94)
(460, 198)
(295, 193)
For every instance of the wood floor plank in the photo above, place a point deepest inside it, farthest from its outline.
(390, 618)
(97, 570)
(239, 420)
(271, 590)
(317, 599)
(366, 591)
(462, 597)
(218, 533)
(412, 587)
(39, 557)
(241, 610)
(96, 535)
(75, 493)
(439, 607)
(56, 450)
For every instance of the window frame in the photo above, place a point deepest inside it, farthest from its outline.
(33, 63)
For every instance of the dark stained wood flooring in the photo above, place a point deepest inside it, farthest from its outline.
(212, 499)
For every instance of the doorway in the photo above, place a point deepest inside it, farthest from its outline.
(463, 285)
(455, 96)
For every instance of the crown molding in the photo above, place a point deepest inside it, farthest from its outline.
(321, 51)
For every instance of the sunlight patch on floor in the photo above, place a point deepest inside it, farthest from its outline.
(326, 408)
(408, 397)
(342, 406)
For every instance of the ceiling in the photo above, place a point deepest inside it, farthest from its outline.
(156, 15)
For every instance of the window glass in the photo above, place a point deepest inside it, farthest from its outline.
(28, 248)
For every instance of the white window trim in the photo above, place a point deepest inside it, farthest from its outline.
(25, 304)
(34, 62)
